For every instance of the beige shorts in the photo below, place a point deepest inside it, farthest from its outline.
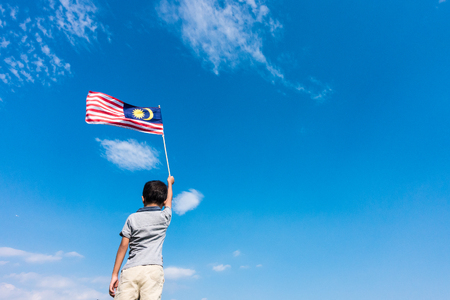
(142, 282)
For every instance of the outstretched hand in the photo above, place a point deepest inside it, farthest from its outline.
(170, 180)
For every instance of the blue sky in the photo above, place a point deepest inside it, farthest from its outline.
(309, 142)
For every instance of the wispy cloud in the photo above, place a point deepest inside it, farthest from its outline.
(13, 11)
(236, 253)
(73, 254)
(221, 268)
(36, 257)
(25, 286)
(223, 35)
(173, 273)
(130, 155)
(77, 19)
(230, 33)
(186, 201)
(35, 38)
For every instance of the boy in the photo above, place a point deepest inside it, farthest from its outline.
(142, 276)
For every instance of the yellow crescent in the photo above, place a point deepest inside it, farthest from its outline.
(150, 114)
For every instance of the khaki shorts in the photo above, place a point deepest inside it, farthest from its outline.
(142, 282)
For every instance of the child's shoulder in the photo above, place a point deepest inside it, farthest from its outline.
(150, 213)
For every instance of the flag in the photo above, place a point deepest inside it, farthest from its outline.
(104, 109)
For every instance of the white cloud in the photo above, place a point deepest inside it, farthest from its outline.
(35, 257)
(224, 35)
(130, 155)
(228, 34)
(35, 286)
(259, 266)
(186, 201)
(53, 282)
(13, 11)
(15, 72)
(37, 35)
(173, 273)
(28, 256)
(244, 267)
(45, 49)
(73, 254)
(5, 77)
(76, 18)
(236, 253)
(3, 262)
(220, 268)
(24, 24)
(442, 1)
(4, 43)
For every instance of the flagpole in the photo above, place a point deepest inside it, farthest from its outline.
(165, 149)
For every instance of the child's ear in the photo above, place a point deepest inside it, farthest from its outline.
(143, 200)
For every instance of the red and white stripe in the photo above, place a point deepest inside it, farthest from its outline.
(104, 109)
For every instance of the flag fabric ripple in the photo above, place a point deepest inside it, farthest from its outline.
(104, 109)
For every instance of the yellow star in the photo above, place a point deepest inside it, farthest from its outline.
(138, 113)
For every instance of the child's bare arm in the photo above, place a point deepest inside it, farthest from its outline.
(119, 259)
(170, 182)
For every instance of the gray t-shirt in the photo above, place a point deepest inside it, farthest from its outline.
(146, 230)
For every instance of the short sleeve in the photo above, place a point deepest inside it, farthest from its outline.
(126, 230)
(167, 214)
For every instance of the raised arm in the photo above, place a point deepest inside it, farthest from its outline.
(170, 182)
(118, 263)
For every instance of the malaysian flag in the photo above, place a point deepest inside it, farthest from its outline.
(104, 109)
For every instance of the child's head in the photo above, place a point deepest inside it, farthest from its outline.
(155, 192)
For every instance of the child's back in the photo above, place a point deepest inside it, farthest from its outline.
(144, 232)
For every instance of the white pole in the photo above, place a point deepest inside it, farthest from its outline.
(165, 149)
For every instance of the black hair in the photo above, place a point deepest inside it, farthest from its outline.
(155, 191)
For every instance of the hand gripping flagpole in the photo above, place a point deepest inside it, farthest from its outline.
(165, 149)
